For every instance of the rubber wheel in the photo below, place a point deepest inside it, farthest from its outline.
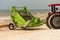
(11, 26)
(54, 21)
(47, 22)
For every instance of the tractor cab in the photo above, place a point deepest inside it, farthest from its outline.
(54, 8)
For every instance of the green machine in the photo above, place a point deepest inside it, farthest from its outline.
(22, 18)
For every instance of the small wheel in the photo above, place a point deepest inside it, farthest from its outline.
(54, 21)
(11, 26)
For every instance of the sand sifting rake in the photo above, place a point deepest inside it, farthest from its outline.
(22, 18)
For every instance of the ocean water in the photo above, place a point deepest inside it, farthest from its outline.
(39, 11)
(7, 12)
(4, 12)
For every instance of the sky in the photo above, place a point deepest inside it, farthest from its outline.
(31, 4)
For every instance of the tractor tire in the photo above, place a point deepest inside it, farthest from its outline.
(47, 22)
(11, 26)
(54, 21)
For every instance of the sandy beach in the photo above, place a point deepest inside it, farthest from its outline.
(40, 33)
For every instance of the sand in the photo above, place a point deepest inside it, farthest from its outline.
(40, 33)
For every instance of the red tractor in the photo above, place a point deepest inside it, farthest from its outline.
(53, 19)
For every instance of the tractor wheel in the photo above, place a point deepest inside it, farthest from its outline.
(11, 26)
(54, 21)
(47, 22)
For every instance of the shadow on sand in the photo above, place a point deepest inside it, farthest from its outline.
(32, 29)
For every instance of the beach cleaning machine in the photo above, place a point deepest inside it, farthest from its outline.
(22, 18)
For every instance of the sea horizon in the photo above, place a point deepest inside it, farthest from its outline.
(7, 12)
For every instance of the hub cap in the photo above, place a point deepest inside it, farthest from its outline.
(56, 21)
(11, 26)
